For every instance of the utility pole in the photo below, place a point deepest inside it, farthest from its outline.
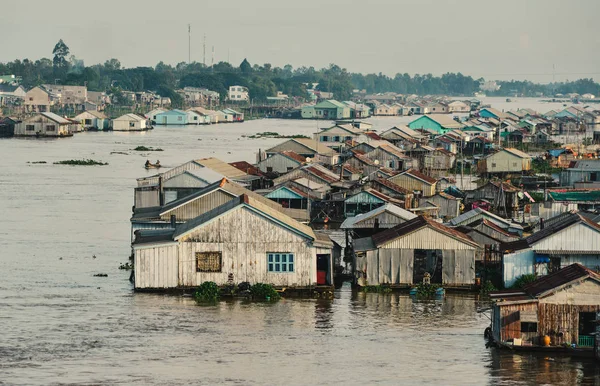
(213, 57)
(189, 43)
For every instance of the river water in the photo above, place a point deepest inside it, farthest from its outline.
(61, 325)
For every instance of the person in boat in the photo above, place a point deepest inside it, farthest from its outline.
(147, 163)
(157, 163)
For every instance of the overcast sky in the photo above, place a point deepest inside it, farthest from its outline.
(508, 39)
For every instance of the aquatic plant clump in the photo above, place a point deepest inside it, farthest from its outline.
(425, 290)
(84, 162)
(144, 148)
(260, 291)
(207, 292)
(271, 134)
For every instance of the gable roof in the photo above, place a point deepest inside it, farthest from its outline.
(293, 156)
(255, 206)
(443, 120)
(549, 284)
(416, 224)
(130, 116)
(420, 176)
(395, 210)
(246, 167)
(390, 185)
(478, 213)
(312, 145)
(516, 152)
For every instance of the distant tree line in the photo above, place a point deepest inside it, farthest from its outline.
(262, 81)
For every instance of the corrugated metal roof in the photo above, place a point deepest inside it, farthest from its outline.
(56, 118)
(221, 167)
(395, 210)
(418, 175)
(573, 272)
(418, 223)
(516, 152)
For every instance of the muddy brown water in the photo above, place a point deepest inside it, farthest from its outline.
(62, 325)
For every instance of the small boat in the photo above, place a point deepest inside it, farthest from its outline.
(152, 166)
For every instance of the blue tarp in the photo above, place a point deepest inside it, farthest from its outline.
(556, 152)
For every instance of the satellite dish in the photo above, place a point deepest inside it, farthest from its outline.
(308, 159)
(376, 162)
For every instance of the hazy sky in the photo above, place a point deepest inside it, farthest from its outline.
(508, 39)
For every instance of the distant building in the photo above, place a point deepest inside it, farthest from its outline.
(131, 122)
(45, 125)
(238, 94)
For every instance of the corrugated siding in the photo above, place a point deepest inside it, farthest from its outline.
(278, 162)
(245, 238)
(506, 162)
(364, 197)
(563, 318)
(517, 264)
(427, 238)
(184, 180)
(283, 193)
(458, 267)
(199, 206)
(510, 322)
(156, 267)
(386, 220)
(412, 183)
(578, 237)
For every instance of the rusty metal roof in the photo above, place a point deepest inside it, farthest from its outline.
(416, 224)
(559, 278)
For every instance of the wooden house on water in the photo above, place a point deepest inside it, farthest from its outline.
(400, 256)
(560, 308)
(566, 239)
(243, 240)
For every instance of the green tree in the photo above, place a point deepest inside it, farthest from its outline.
(60, 52)
(245, 67)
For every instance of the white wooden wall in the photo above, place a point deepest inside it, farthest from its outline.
(156, 267)
(245, 238)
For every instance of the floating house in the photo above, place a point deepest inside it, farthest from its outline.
(566, 239)
(45, 125)
(93, 120)
(131, 122)
(176, 117)
(400, 256)
(223, 246)
(557, 312)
